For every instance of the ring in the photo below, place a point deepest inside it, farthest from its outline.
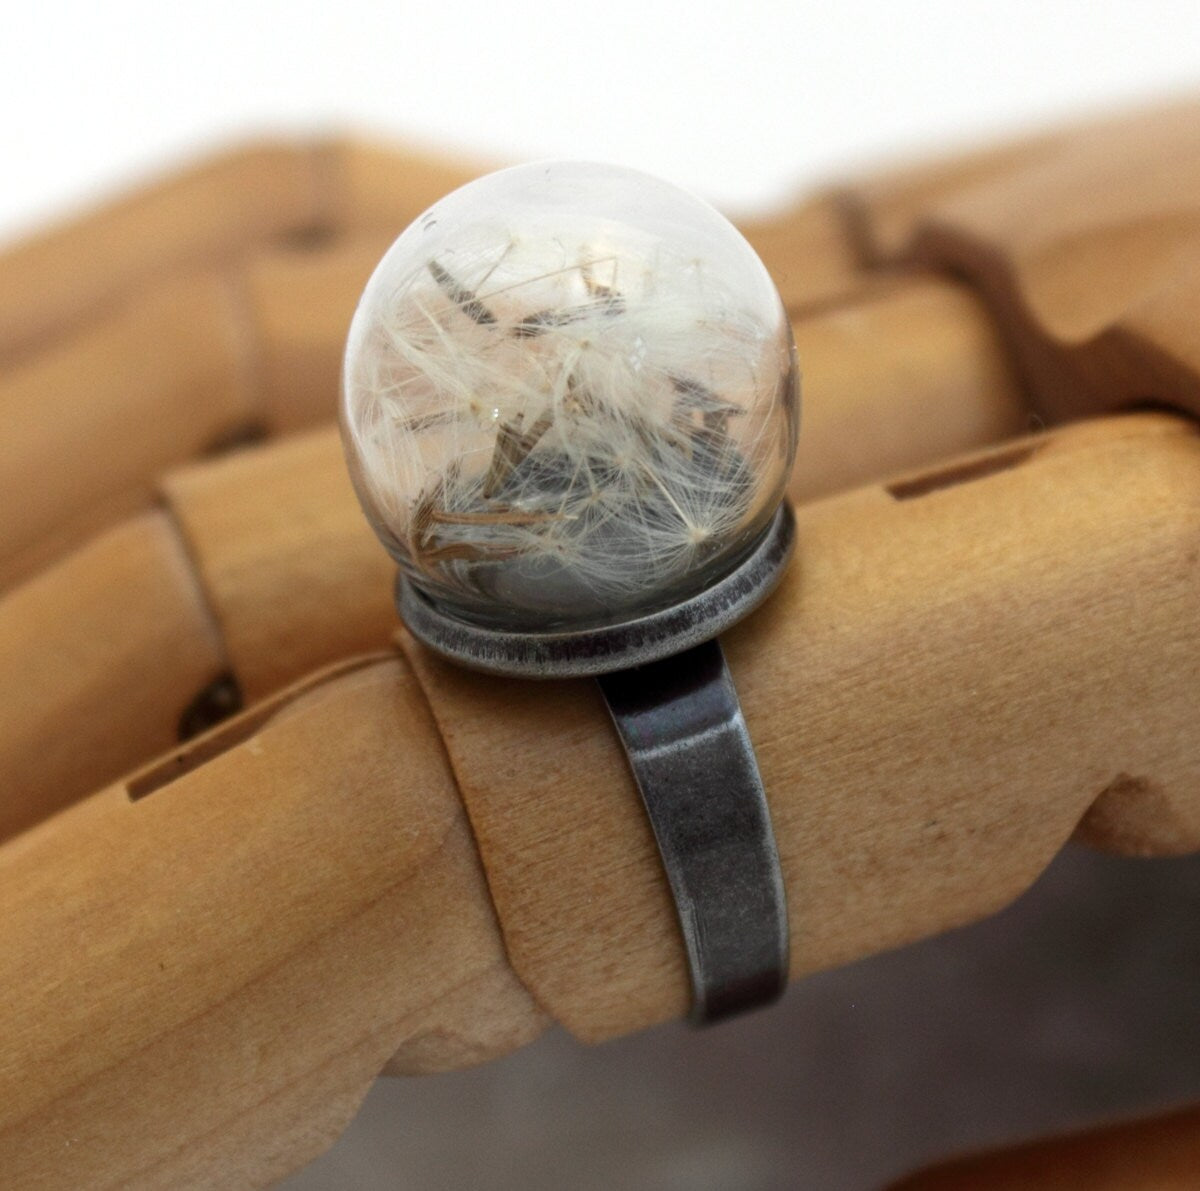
(570, 406)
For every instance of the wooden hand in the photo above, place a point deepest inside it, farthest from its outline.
(967, 664)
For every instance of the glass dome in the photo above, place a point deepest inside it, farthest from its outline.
(570, 397)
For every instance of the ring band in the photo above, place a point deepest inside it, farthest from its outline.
(677, 714)
(687, 743)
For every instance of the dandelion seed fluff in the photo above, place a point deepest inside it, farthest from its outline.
(569, 397)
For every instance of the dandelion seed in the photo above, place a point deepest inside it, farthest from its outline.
(560, 406)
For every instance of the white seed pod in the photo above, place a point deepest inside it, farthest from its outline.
(570, 397)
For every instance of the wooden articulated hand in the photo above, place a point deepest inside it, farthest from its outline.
(983, 648)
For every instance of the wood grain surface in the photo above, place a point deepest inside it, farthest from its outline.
(214, 974)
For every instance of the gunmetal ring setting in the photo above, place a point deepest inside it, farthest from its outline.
(570, 405)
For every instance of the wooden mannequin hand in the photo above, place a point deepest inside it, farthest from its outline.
(967, 664)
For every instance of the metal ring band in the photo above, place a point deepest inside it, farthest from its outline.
(677, 713)
(690, 752)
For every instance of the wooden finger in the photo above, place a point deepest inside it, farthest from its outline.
(905, 373)
(304, 194)
(195, 217)
(103, 656)
(1155, 1155)
(294, 575)
(205, 981)
(298, 580)
(91, 424)
(903, 376)
(912, 363)
(207, 215)
(1086, 245)
(954, 669)
(811, 255)
(379, 188)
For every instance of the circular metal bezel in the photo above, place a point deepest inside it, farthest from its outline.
(603, 649)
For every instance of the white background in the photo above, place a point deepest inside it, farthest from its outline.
(742, 102)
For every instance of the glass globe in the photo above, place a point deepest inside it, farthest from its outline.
(569, 398)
